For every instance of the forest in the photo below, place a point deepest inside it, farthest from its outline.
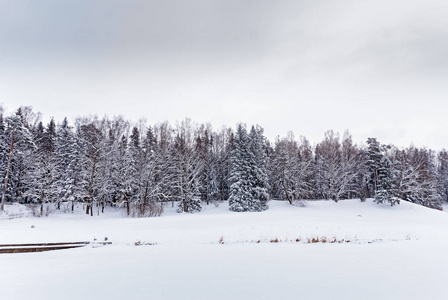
(99, 162)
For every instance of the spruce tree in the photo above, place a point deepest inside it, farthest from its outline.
(381, 173)
(241, 180)
(42, 182)
(249, 183)
(257, 147)
(67, 153)
(20, 155)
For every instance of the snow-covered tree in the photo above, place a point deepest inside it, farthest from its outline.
(248, 190)
(42, 180)
(89, 139)
(442, 174)
(362, 183)
(5, 159)
(257, 146)
(290, 170)
(241, 187)
(381, 174)
(209, 177)
(18, 160)
(67, 153)
(335, 167)
(223, 144)
(104, 161)
(145, 190)
(150, 192)
(353, 165)
(415, 177)
(187, 167)
(164, 172)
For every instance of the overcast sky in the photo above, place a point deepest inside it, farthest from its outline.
(378, 68)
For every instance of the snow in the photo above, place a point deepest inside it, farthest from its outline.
(395, 252)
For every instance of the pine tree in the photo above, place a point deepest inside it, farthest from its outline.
(42, 184)
(241, 182)
(4, 155)
(209, 181)
(19, 161)
(248, 189)
(135, 168)
(67, 153)
(257, 147)
(164, 169)
(362, 179)
(381, 173)
(224, 146)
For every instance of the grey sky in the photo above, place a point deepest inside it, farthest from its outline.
(378, 68)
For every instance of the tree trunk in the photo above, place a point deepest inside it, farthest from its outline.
(207, 191)
(19, 179)
(286, 192)
(127, 207)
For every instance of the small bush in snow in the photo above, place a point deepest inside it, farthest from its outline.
(152, 209)
(298, 203)
(140, 243)
(38, 211)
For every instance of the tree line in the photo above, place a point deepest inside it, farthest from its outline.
(103, 161)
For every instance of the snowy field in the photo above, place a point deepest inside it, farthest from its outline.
(381, 252)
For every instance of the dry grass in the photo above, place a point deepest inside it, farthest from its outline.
(309, 240)
(140, 243)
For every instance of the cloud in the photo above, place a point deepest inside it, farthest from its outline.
(308, 66)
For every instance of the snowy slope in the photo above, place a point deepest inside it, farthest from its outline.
(394, 253)
(349, 220)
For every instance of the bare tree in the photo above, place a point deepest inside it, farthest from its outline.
(187, 167)
(335, 167)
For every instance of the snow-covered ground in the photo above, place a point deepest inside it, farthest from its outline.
(396, 252)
